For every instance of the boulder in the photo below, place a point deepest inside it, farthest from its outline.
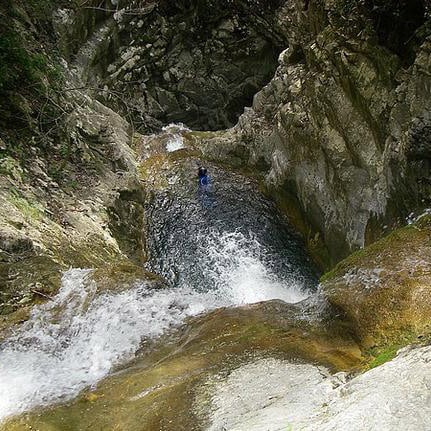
(384, 290)
(14, 242)
(124, 275)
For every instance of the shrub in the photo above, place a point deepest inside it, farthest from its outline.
(17, 65)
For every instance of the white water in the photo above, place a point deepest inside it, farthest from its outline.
(76, 340)
(249, 278)
(176, 141)
(274, 395)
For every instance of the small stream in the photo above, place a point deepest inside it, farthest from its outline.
(224, 246)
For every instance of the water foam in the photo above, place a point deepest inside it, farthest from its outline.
(241, 271)
(75, 340)
(176, 141)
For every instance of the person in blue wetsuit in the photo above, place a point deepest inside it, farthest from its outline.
(205, 195)
(203, 176)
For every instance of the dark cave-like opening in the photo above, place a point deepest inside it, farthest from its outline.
(396, 22)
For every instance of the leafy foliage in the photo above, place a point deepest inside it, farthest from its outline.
(17, 65)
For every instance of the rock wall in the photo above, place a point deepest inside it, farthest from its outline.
(339, 136)
(198, 62)
(341, 130)
(51, 220)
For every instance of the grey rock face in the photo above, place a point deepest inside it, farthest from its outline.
(343, 126)
(340, 132)
(11, 242)
(199, 64)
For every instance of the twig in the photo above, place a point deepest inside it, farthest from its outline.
(42, 294)
(125, 11)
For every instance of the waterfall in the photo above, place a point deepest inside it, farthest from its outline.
(75, 340)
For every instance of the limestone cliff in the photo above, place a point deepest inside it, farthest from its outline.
(341, 129)
(339, 135)
(156, 62)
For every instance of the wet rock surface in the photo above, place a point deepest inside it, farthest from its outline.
(384, 290)
(184, 221)
(158, 390)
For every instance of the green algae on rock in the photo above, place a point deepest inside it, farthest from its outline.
(28, 280)
(384, 289)
(124, 275)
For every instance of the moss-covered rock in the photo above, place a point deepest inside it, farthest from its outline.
(385, 289)
(27, 281)
(88, 215)
(124, 275)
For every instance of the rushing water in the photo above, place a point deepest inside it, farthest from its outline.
(175, 140)
(222, 246)
(205, 237)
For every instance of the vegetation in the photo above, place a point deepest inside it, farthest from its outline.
(383, 356)
(30, 77)
(21, 61)
(17, 65)
(380, 355)
(30, 210)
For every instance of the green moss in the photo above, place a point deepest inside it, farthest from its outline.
(88, 253)
(380, 355)
(30, 210)
(383, 356)
(32, 279)
(385, 295)
(366, 256)
(11, 167)
(424, 222)
(198, 139)
(123, 275)
(18, 66)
